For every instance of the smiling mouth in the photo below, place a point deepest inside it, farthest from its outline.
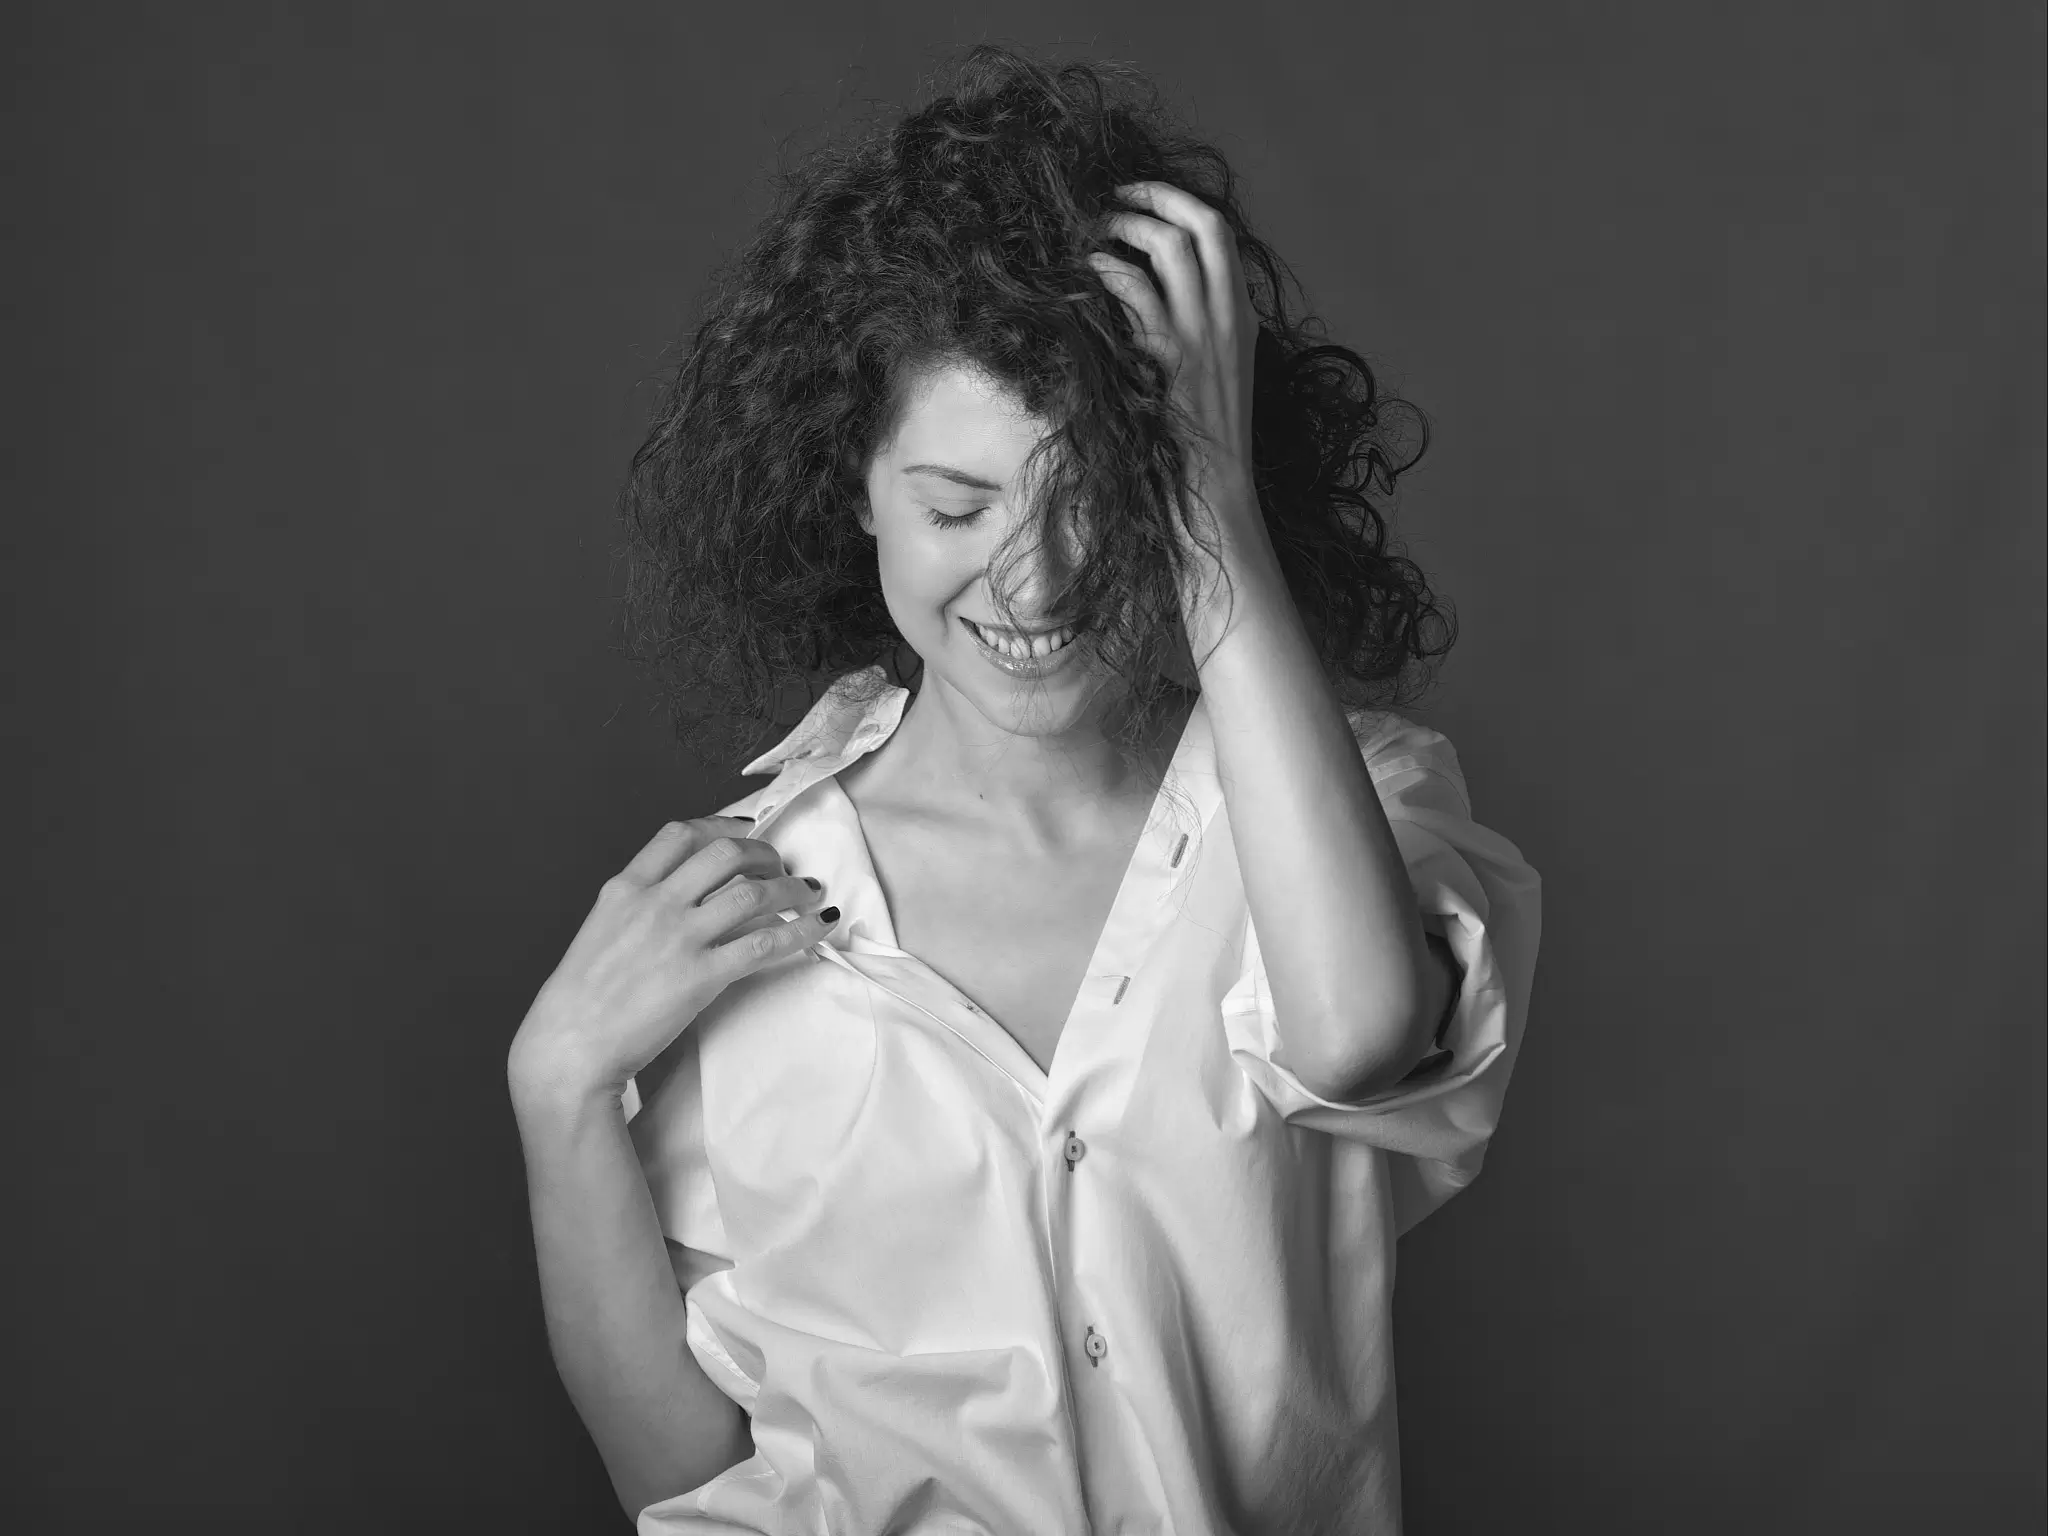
(1029, 645)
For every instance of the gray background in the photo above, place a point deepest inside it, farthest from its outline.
(330, 329)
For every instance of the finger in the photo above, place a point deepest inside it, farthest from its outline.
(748, 900)
(1174, 258)
(771, 941)
(1214, 241)
(768, 920)
(719, 860)
(676, 841)
(756, 923)
(1147, 307)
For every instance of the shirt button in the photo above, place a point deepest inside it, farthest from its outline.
(1097, 1346)
(1076, 1149)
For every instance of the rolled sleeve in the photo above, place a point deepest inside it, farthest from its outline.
(1475, 888)
(668, 1135)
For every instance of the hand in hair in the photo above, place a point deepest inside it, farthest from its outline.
(1197, 319)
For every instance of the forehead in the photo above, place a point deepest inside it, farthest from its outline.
(958, 415)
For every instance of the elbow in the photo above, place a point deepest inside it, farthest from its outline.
(1381, 1055)
(1412, 1034)
(1367, 1050)
(1382, 1051)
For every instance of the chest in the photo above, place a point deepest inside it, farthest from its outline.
(1014, 935)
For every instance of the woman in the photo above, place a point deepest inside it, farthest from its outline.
(1002, 1120)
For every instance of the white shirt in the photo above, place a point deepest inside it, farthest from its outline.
(1148, 1291)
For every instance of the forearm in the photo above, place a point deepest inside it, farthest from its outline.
(615, 1317)
(1356, 990)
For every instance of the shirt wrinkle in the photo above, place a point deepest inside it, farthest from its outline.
(869, 1157)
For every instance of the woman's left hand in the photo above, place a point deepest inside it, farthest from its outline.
(1203, 328)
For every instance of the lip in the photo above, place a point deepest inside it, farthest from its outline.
(1036, 667)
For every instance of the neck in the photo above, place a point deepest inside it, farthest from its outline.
(1038, 792)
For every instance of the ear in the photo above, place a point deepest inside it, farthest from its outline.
(853, 484)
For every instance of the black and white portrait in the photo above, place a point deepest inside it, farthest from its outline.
(1027, 770)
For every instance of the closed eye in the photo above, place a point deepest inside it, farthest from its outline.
(939, 519)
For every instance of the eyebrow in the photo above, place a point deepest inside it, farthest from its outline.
(957, 476)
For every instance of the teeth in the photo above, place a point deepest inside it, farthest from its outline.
(1020, 648)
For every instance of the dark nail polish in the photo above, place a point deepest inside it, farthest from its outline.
(812, 883)
(830, 916)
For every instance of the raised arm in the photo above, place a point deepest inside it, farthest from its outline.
(1357, 988)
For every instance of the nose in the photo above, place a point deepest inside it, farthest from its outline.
(1031, 580)
(1031, 577)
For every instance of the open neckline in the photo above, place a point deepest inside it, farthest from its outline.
(1042, 1078)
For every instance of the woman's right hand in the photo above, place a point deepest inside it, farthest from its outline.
(697, 908)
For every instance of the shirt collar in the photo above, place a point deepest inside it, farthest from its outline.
(855, 715)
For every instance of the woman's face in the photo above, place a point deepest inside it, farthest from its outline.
(943, 494)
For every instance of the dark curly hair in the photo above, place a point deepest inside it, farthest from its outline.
(959, 233)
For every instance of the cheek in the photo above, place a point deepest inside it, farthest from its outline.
(920, 575)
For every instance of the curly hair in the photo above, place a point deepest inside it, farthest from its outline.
(959, 233)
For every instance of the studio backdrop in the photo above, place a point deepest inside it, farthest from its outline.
(333, 330)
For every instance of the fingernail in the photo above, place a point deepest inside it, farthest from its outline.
(829, 916)
(812, 883)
